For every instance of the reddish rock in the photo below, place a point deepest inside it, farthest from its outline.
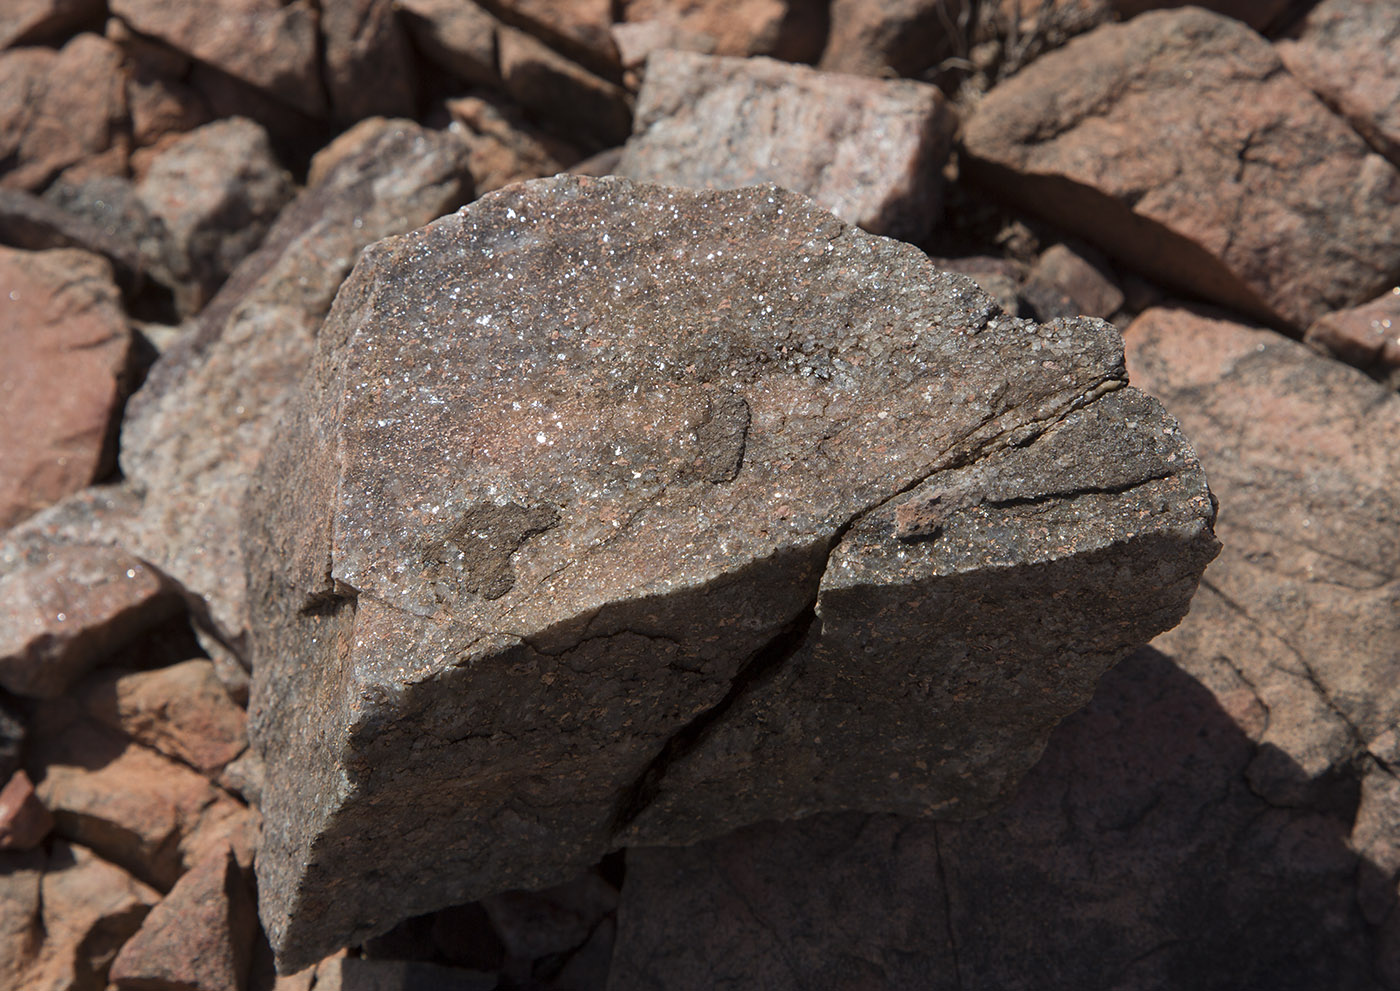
(589, 109)
(578, 28)
(182, 711)
(60, 618)
(200, 936)
(868, 150)
(456, 34)
(368, 66)
(903, 38)
(90, 908)
(505, 148)
(28, 22)
(21, 927)
(64, 346)
(791, 30)
(1345, 50)
(24, 822)
(37, 224)
(133, 806)
(215, 192)
(224, 387)
(1366, 336)
(1263, 200)
(267, 43)
(160, 108)
(60, 109)
(1301, 611)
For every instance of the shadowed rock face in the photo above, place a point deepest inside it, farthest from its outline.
(613, 513)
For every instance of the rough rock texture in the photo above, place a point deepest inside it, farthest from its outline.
(1346, 50)
(24, 822)
(64, 346)
(154, 817)
(196, 429)
(181, 710)
(89, 909)
(577, 540)
(60, 617)
(28, 22)
(368, 68)
(1263, 200)
(61, 109)
(1367, 337)
(1133, 856)
(215, 191)
(199, 938)
(903, 38)
(1303, 605)
(266, 43)
(870, 151)
(791, 30)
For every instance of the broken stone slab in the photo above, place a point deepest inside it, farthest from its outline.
(1303, 605)
(1366, 337)
(602, 450)
(1267, 203)
(869, 150)
(195, 430)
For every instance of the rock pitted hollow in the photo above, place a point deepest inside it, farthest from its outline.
(614, 513)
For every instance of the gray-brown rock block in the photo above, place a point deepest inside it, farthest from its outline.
(1345, 50)
(195, 431)
(268, 44)
(64, 347)
(900, 38)
(790, 30)
(1302, 608)
(1262, 199)
(868, 150)
(215, 191)
(27, 22)
(368, 65)
(613, 464)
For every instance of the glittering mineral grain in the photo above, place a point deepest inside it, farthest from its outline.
(613, 513)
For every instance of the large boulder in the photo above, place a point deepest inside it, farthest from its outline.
(1179, 145)
(614, 513)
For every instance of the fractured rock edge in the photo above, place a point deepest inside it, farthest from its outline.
(329, 607)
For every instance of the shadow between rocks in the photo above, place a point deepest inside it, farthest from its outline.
(1133, 856)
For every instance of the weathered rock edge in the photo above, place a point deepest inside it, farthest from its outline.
(598, 493)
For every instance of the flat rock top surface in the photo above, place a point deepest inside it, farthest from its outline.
(666, 396)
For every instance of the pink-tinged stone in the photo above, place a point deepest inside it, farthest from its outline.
(61, 109)
(24, 821)
(868, 150)
(1366, 336)
(64, 346)
(791, 30)
(59, 618)
(200, 936)
(1260, 199)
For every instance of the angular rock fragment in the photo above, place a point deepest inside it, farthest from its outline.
(458, 35)
(24, 822)
(59, 619)
(1346, 51)
(868, 150)
(225, 386)
(37, 224)
(64, 347)
(1366, 337)
(1303, 604)
(790, 30)
(266, 43)
(612, 461)
(200, 936)
(61, 109)
(1263, 200)
(901, 38)
(587, 108)
(181, 710)
(215, 192)
(368, 67)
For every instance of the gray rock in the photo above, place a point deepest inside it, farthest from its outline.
(37, 224)
(215, 192)
(585, 476)
(868, 150)
(368, 67)
(196, 429)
